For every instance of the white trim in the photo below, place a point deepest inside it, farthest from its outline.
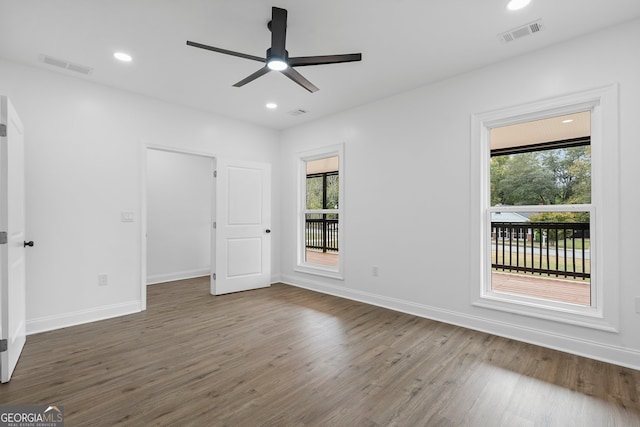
(154, 279)
(49, 323)
(604, 312)
(541, 208)
(143, 226)
(319, 270)
(301, 265)
(606, 353)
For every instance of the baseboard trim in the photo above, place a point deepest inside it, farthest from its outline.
(276, 278)
(79, 317)
(154, 279)
(606, 353)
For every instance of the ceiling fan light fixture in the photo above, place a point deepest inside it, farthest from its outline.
(277, 64)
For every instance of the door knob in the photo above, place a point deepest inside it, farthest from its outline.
(29, 243)
(267, 231)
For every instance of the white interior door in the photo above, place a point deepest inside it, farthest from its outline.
(243, 235)
(12, 221)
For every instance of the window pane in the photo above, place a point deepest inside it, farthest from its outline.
(542, 255)
(548, 177)
(314, 192)
(332, 192)
(321, 239)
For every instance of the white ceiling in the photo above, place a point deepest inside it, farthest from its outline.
(404, 43)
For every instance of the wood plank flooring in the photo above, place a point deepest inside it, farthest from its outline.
(284, 356)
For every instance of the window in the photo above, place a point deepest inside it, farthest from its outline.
(540, 172)
(320, 236)
(540, 169)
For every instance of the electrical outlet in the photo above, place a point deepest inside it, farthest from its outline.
(126, 216)
(103, 280)
(374, 271)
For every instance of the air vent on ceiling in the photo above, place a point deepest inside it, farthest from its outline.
(522, 31)
(297, 112)
(61, 63)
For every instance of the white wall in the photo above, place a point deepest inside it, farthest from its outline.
(408, 190)
(179, 215)
(84, 165)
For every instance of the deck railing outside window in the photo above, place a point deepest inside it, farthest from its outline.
(545, 248)
(322, 234)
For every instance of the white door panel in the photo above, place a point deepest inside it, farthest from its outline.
(243, 239)
(244, 257)
(12, 254)
(245, 205)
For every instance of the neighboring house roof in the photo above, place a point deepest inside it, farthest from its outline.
(508, 217)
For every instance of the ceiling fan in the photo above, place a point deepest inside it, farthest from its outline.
(277, 58)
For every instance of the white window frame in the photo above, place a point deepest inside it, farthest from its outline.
(302, 265)
(603, 314)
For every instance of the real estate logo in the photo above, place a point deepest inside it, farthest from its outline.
(31, 416)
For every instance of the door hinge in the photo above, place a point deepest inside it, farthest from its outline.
(3, 130)
(214, 276)
(3, 345)
(215, 174)
(3, 237)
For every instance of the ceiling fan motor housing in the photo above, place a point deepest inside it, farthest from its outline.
(283, 59)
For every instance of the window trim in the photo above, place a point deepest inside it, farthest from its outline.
(603, 314)
(302, 265)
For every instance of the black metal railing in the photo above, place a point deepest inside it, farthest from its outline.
(546, 248)
(322, 234)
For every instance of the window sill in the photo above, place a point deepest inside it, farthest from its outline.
(588, 317)
(319, 270)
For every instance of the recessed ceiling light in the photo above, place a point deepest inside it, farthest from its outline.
(517, 4)
(121, 56)
(567, 121)
(272, 105)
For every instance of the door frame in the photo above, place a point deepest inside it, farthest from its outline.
(143, 210)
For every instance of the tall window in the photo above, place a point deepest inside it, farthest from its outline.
(320, 241)
(321, 217)
(540, 173)
(545, 203)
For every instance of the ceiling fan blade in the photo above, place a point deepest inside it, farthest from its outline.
(278, 31)
(298, 78)
(226, 52)
(301, 61)
(262, 71)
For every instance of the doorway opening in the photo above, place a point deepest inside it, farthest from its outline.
(178, 216)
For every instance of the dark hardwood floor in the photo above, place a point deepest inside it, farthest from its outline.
(284, 356)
